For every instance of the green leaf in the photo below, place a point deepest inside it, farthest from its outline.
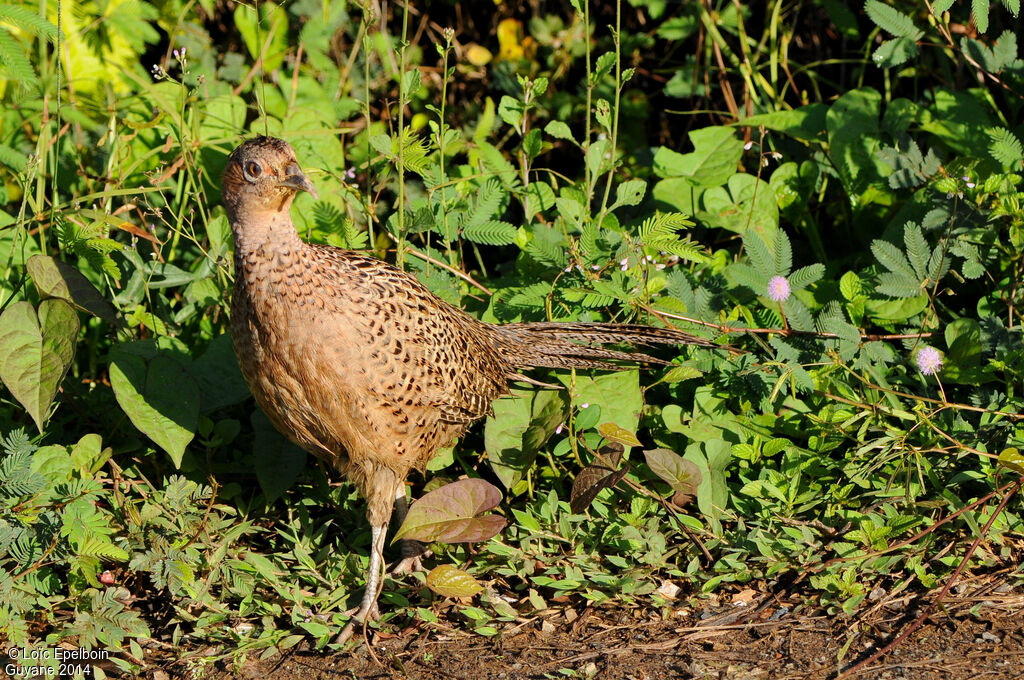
(218, 376)
(449, 581)
(979, 10)
(516, 429)
(891, 20)
(805, 122)
(511, 111)
(158, 395)
(1012, 459)
(37, 352)
(617, 394)
(744, 203)
(451, 514)
(55, 279)
(271, 31)
(559, 130)
(895, 52)
(491, 233)
(629, 193)
(277, 461)
(717, 152)
(1006, 148)
(854, 140)
(29, 21)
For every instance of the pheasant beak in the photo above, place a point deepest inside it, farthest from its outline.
(294, 179)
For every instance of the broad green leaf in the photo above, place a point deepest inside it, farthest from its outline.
(617, 394)
(519, 425)
(449, 581)
(854, 141)
(559, 130)
(681, 373)
(37, 351)
(158, 395)
(277, 461)
(450, 514)
(744, 203)
(266, 35)
(711, 457)
(55, 279)
(806, 122)
(715, 156)
(630, 192)
(218, 377)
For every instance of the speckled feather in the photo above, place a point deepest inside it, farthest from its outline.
(357, 361)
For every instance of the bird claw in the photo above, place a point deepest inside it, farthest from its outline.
(359, 617)
(407, 566)
(413, 553)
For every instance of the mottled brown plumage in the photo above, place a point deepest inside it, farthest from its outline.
(357, 361)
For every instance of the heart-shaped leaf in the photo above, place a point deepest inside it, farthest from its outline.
(601, 474)
(56, 279)
(37, 351)
(449, 514)
(449, 581)
(158, 394)
(681, 474)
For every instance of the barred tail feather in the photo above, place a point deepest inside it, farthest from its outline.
(571, 345)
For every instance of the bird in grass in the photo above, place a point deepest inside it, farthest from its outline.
(359, 363)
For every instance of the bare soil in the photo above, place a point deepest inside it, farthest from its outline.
(975, 636)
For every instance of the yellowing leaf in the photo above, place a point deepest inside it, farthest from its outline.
(478, 55)
(1012, 458)
(448, 581)
(621, 435)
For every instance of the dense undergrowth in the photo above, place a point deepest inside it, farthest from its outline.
(833, 190)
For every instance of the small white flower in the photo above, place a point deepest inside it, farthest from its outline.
(585, 404)
(748, 146)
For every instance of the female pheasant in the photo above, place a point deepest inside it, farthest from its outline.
(359, 363)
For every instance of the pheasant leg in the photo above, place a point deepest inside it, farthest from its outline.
(368, 610)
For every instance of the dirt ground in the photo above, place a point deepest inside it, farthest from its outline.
(980, 635)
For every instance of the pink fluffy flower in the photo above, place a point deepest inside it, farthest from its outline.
(778, 288)
(929, 360)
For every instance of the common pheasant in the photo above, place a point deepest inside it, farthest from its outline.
(358, 362)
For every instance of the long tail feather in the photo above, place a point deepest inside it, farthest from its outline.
(571, 345)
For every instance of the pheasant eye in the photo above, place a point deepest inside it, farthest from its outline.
(253, 169)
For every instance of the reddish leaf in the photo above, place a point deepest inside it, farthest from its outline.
(601, 474)
(449, 514)
(682, 475)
